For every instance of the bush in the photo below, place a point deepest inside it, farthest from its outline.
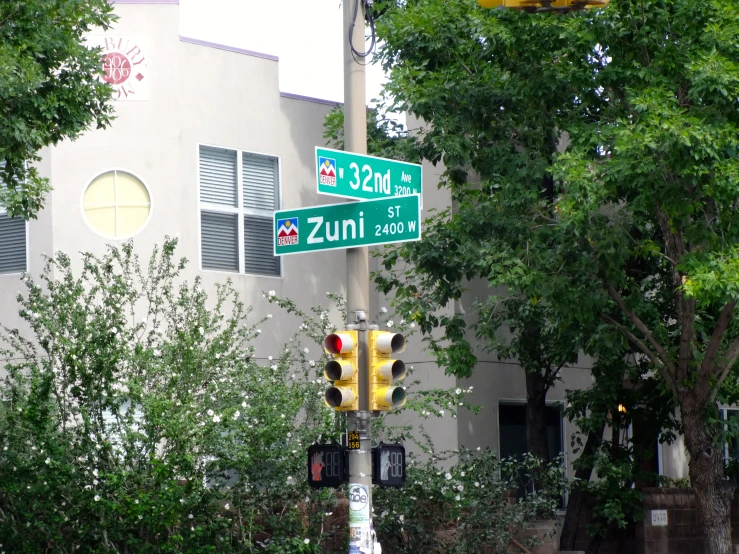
(137, 419)
(468, 507)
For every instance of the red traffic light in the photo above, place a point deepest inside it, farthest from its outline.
(338, 343)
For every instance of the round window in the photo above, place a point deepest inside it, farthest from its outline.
(116, 204)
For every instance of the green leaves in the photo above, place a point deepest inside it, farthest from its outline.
(49, 89)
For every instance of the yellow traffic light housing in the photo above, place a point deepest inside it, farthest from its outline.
(384, 370)
(543, 5)
(342, 370)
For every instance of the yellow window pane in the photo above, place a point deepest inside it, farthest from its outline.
(131, 219)
(131, 190)
(101, 191)
(102, 220)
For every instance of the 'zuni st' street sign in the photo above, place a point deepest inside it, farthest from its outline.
(361, 177)
(347, 225)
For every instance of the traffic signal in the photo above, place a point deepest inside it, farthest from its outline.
(384, 370)
(342, 370)
(388, 465)
(327, 465)
(555, 5)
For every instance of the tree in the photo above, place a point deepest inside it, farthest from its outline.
(635, 223)
(49, 89)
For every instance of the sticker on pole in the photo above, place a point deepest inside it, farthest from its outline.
(359, 509)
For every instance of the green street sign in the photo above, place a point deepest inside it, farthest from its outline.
(351, 175)
(347, 225)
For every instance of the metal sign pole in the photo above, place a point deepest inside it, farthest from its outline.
(361, 538)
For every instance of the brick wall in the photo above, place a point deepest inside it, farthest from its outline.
(682, 534)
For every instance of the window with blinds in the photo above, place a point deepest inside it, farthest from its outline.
(238, 193)
(13, 253)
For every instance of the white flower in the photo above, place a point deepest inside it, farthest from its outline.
(227, 506)
(271, 293)
(312, 363)
(306, 541)
(136, 501)
(289, 435)
(95, 472)
(458, 391)
(243, 404)
(441, 412)
(390, 323)
(460, 487)
(202, 331)
(478, 449)
(383, 310)
(210, 412)
(48, 461)
(306, 350)
(456, 498)
(189, 516)
(182, 500)
(97, 498)
(141, 517)
(216, 419)
(269, 316)
(237, 414)
(258, 331)
(269, 358)
(477, 483)
(448, 476)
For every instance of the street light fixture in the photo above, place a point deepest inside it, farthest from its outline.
(544, 5)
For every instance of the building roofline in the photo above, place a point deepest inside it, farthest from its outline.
(227, 48)
(310, 99)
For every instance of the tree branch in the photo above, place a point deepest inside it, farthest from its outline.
(639, 324)
(687, 321)
(666, 371)
(724, 318)
(730, 357)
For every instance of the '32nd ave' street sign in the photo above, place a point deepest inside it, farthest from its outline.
(352, 175)
(347, 225)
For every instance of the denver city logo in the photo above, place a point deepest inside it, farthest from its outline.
(327, 171)
(287, 231)
(125, 67)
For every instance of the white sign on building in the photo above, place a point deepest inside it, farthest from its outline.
(125, 64)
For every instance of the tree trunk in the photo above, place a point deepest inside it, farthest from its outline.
(576, 501)
(536, 421)
(713, 493)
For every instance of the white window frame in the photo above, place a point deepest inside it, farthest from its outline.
(4, 211)
(239, 210)
(724, 410)
(115, 171)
